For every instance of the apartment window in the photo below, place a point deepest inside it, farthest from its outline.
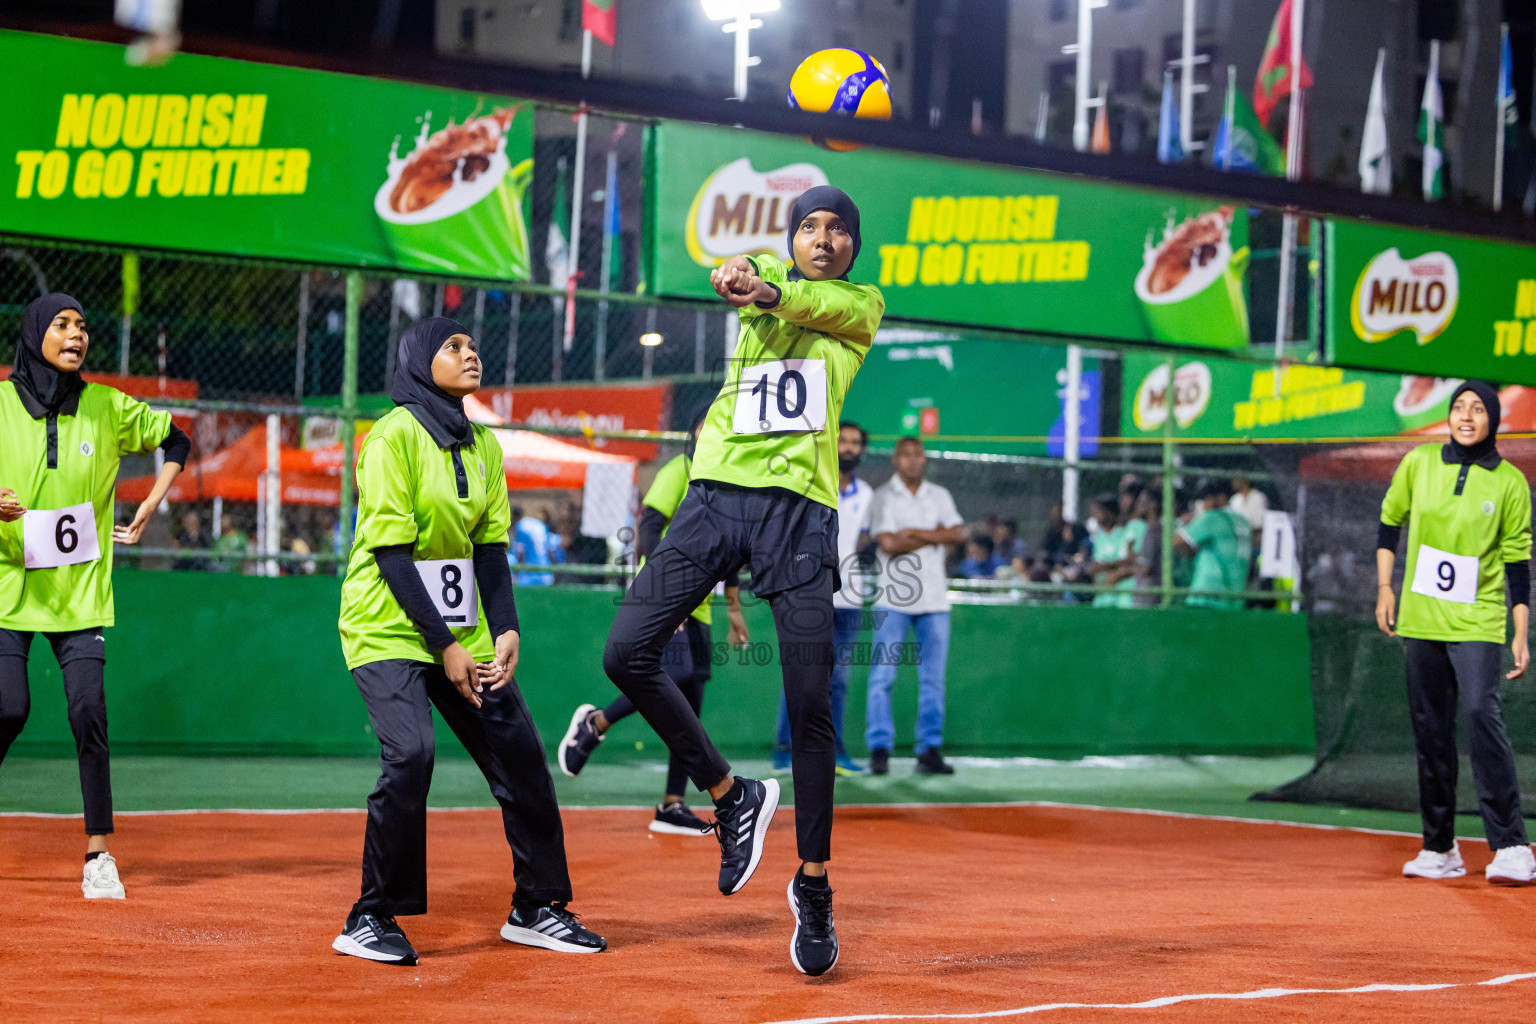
(1061, 10)
(1130, 70)
(1125, 5)
(467, 19)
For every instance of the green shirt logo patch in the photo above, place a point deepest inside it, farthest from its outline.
(86, 449)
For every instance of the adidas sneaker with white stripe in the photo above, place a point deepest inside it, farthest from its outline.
(374, 937)
(741, 827)
(550, 926)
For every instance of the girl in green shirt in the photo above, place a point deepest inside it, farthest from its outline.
(1469, 534)
(428, 620)
(60, 443)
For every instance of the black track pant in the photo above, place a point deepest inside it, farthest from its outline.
(83, 660)
(1437, 671)
(667, 589)
(504, 743)
(686, 659)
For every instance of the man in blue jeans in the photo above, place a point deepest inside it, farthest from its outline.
(853, 505)
(914, 522)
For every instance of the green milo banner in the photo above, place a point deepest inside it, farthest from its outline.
(225, 156)
(1222, 398)
(960, 243)
(1423, 303)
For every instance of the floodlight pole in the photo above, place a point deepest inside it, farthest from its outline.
(743, 25)
(1188, 88)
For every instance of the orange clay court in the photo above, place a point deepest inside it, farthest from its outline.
(949, 912)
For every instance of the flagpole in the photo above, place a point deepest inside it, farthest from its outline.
(1229, 116)
(1042, 115)
(1293, 131)
(578, 186)
(1498, 138)
(610, 197)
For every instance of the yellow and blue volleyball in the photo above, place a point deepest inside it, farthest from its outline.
(841, 81)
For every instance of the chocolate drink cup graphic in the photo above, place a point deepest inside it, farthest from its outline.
(1191, 285)
(455, 203)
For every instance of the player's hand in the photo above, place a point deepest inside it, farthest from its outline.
(1386, 611)
(130, 534)
(737, 635)
(506, 657)
(1521, 649)
(459, 666)
(10, 509)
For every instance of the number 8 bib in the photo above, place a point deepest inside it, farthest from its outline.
(1444, 576)
(451, 582)
(64, 536)
(781, 396)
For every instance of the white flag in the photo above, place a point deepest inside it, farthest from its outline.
(1432, 127)
(1375, 154)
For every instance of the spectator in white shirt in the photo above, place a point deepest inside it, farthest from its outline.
(1249, 503)
(854, 498)
(914, 521)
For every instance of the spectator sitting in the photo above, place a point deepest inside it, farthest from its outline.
(1149, 557)
(980, 561)
(191, 538)
(530, 546)
(1113, 561)
(1063, 540)
(1007, 543)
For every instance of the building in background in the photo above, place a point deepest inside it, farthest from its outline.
(1133, 41)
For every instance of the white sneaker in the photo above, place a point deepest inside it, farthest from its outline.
(1513, 865)
(1429, 864)
(101, 881)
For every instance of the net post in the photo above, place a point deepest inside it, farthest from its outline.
(1165, 584)
(349, 409)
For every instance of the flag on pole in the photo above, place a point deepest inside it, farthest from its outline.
(1099, 142)
(1275, 79)
(1505, 119)
(600, 18)
(615, 241)
(1242, 144)
(1169, 149)
(1043, 116)
(557, 248)
(1432, 127)
(1375, 155)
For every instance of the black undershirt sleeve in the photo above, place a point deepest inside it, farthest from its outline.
(494, 578)
(1517, 576)
(1387, 536)
(648, 530)
(177, 446)
(399, 572)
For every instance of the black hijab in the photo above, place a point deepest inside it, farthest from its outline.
(42, 387)
(435, 409)
(1483, 453)
(823, 197)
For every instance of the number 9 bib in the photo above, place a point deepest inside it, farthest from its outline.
(451, 582)
(1444, 576)
(781, 396)
(64, 536)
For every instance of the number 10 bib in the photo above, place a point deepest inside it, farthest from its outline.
(63, 536)
(451, 582)
(781, 396)
(1444, 576)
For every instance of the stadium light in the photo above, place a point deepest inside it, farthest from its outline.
(739, 16)
(650, 339)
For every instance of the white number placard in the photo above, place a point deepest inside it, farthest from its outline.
(451, 582)
(1444, 576)
(781, 396)
(61, 536)
(1277, 557)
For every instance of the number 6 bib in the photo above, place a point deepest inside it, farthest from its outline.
(451, 582)
(63, 536)
(781, 396)
(1444, 576)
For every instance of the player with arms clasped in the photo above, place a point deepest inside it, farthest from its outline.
(763, 494)
(1469, 536)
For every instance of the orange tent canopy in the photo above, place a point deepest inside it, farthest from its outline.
(530, 461)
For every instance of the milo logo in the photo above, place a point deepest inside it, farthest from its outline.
(1191, 396)
(740, 210)
(1394, 294)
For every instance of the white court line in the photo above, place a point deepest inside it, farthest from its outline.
(1051, 804)
(1161, 1001)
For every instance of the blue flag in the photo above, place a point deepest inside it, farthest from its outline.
(1169, 149)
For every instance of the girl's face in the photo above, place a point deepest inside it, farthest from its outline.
(823, 246)
(65, 342)
(1469, 419)
(456, 367)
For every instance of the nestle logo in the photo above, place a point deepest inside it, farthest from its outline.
(789, 183)
(1426, 270)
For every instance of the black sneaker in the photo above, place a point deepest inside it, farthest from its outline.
(374, 937)
(741, 829)
(931, 762)
(550, 926)
(675, 819)
(879, 761)
(579, 742)
(813, 950)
